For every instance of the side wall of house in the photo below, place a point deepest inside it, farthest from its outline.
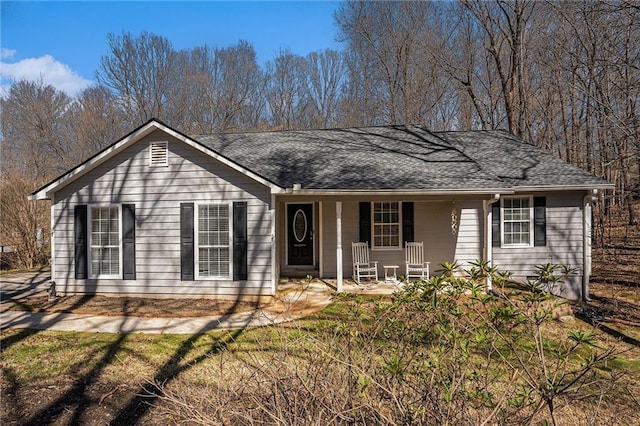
(157, 193)
(564, 244)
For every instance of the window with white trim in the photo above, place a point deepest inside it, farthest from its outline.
(386, 224)
(158, 153)
(213, 251)
(104, 240)
(517, 221)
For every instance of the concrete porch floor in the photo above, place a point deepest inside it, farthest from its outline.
(293, 284)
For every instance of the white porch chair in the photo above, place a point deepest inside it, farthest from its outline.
(414, 258)
(362, 267)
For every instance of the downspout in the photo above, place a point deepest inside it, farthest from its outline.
(488, 251)
(586, 243)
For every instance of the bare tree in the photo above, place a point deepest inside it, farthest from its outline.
(590, 62)
(506, 25)
(219, 90)
(390, 65)
(239, 83)
(287, 94)
(96, 122)
(192, 100)
(34, 121)
(24, 224)
(142, 71)
(326, 76)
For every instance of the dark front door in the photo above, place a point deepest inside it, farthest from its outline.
(300, 234)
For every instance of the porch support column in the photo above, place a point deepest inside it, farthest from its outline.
(339, 245)
(274, 247)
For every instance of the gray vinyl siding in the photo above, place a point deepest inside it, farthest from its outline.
(564, 243)
(470, 233)
(157, 193)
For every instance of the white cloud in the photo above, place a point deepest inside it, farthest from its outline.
(45, 69)
(7, 53)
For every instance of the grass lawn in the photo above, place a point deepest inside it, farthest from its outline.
(294, 371)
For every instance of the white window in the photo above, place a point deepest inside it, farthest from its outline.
(213, 253)
(517, 221)
(386, 225)
(158, 154)
(104, 240)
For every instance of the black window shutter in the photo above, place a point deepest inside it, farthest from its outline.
(365, 222)
(186, 242)
(495, 224)
(539, 221)
(129, 241)
(240, 270)
(80, 231)
(407, 222)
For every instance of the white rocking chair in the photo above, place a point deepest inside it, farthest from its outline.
(414, 257)
(362, 267)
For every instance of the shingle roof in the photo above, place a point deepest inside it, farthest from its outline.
(397, 158)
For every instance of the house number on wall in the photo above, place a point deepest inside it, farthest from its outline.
(299, 226)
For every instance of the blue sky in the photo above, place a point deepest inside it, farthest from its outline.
(62, 42)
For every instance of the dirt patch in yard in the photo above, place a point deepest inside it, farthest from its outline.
(132, 306)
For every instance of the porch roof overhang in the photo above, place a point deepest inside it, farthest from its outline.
(393, 192)
(440, 192)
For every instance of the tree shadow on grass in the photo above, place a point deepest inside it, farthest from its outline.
(78, 392)
(595, 318)
(133, 412)
(77, 399)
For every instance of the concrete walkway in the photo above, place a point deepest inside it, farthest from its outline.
(295, 301)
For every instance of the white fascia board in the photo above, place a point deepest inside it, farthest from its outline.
(399, 192)
(562, 188)
(45, 192)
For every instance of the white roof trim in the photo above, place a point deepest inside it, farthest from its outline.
(587, 187)
(153, 125)
(402, 192)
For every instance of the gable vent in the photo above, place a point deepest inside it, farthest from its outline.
(158, 154)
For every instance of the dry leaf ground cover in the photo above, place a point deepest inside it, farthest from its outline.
(133, 306)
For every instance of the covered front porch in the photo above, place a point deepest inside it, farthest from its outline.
(314, 234)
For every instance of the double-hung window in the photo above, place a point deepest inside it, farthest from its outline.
(517, 221)
(105, 241)
(213, 254)
(386, 224)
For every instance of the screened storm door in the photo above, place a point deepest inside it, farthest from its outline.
(300, 234)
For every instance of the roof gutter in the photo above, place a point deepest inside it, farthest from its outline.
(297, 190)
(562, 188)
(586, 242)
